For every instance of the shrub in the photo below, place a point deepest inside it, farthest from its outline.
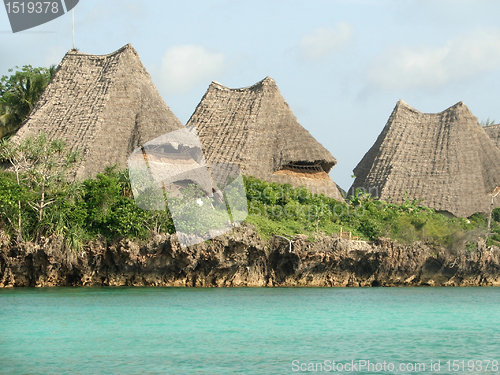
(285, 210)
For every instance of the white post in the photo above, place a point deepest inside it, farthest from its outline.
(73, 18)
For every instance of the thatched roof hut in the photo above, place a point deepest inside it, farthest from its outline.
(254, 128)
(444, 158)
(105, 106)
(493, 132)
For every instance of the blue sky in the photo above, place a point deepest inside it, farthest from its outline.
(341, 65)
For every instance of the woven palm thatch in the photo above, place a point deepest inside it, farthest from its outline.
(444, 158)
(493, 132)
(254, 128)
(104, 106)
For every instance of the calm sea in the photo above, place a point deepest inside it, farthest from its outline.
(249, 331)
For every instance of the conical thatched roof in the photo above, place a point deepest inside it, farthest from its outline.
(493, 132)
(105, 106)
(255, 128)
(444, 158)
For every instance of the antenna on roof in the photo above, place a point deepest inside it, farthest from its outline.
(73, 21)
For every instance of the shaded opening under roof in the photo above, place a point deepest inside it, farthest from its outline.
(303, 169)
(299, 166)
(308, 166)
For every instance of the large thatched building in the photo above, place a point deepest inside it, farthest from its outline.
(444, 158)
(104, 106)
(254, 128)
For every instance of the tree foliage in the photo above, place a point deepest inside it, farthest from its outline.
(40, 167)
(19, 93)
(487, 122)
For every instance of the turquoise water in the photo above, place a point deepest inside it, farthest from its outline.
(248, 331)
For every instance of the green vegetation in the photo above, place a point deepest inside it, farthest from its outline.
(43, 181)
(487, 122)
(37, 200)
(494, 237)
(18, 95)
(196, 213)
(281, 209)
(79, 211)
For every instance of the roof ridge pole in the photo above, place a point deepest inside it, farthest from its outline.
(73, 21)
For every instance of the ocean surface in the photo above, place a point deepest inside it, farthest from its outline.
(250, 330)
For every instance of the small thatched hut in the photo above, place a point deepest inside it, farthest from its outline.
(444, 158)
(493, 132)
(104, 106)
(254, 128)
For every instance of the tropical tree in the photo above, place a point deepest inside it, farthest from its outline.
(17, 158)
(47, 164)
(487, 122)
(40, 167)
(19, 94)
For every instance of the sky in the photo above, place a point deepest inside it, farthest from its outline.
(341, 65)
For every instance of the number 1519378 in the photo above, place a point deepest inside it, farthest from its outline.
(32, 7)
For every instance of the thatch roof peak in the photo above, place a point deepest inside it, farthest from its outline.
(402, 106)
(444, 158)
(268, 81)
(255, 128)
(402, 103)
(126, 47)
(459, 107)
(103, 105)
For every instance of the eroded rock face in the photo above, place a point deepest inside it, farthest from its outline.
(242, 258)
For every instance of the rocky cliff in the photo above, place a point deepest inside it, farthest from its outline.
(242, 258)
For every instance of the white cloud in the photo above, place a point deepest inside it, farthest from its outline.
(323, 41)
(431, 67)
(184, 66)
